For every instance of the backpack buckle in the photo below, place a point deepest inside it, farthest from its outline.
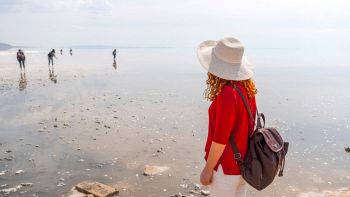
(237, 156)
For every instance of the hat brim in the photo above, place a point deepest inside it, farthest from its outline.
(220, 68)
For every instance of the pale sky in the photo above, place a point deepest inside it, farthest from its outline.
(262, 23)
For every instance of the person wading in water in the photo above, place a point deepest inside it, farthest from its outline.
(114, 53)
(50, 56)
(21, 59)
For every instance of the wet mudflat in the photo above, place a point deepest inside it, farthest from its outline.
(105, 122)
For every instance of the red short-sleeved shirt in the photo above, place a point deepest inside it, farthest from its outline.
(227, 113)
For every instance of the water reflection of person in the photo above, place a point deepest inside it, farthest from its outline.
(22, 83)
(52, 75)
(115, 64)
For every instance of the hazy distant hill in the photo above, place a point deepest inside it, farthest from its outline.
(4, 46)
(111, 47)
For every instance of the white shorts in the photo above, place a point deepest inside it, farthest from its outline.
(227, 185)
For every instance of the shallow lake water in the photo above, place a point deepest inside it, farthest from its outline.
(87, 118)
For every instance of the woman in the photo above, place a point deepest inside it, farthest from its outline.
(227, 67)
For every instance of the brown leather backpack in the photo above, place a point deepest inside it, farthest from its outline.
(266, 152)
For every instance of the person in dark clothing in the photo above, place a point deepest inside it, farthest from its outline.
(61, 51)
(71, 52)
(21, 58)
(51, 55)
(114, 53)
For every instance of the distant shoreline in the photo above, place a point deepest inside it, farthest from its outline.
(5, 46)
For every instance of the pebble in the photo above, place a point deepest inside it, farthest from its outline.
(194, 192)
(26, 184)
(184, 186)
(205, 192)
(197, 187)
(20, 172)
(347, 149)
(9, 158)
(10, 190)
(3, 173)
(61, 184)
(150, 170)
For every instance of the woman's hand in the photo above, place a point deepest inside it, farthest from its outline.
(206, 176)
(215, 153)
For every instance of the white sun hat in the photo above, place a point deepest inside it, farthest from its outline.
(225, 59)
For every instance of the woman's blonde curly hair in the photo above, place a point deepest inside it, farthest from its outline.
(215, 85)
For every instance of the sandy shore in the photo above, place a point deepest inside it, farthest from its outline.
(105, 124)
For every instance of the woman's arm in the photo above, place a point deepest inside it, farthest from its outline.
(215, 153)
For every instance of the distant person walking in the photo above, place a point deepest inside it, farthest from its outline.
(61, 52)
(50, 56)
(71, 52)
(114, 53)
(21, 59)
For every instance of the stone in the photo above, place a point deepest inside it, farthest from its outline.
(61, 184)
(3, 173)
(26, 184)
(151, 170)
(97, 189)
(20, 172)
(205, 192)
(9, 158)
(10, 190)
(197, 187)
(347, 149)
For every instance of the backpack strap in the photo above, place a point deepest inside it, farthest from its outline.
(244, 101)
(237, 154)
